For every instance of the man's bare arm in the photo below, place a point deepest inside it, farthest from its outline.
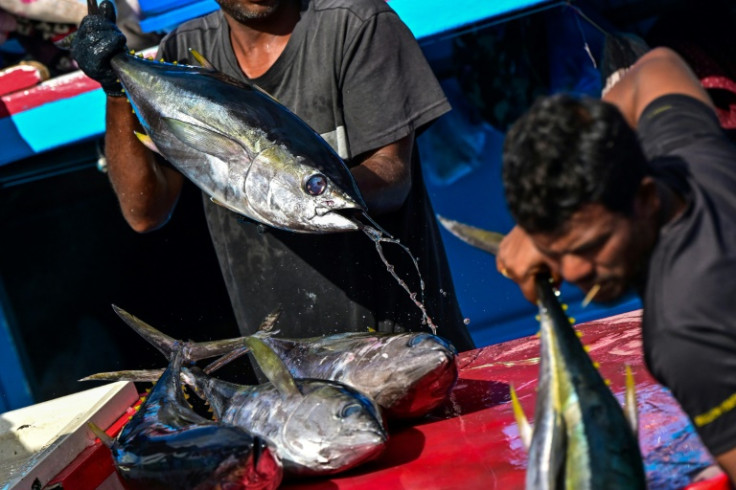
(659, 72)
(384, 175)
(146, 190)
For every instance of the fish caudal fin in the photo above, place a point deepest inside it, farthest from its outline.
(525, 429)
(630, 408)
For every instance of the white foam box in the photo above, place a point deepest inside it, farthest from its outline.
(39, 441)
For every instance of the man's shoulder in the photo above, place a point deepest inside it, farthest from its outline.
(363, 9)
(208, 23)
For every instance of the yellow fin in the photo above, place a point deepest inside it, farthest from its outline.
(525, 429)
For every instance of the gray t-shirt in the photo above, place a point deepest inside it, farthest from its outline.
(354, 72)
(689, 324)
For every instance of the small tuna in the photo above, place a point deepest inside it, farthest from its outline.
(318, 427)
(166, 445)
(243, 148)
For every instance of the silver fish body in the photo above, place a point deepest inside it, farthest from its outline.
(408, 374)
(241, 147)
(328, 429)
(168, 445)
(581, 437)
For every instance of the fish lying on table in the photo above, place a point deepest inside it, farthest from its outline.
(407, 374)
(317, 427)
(167, 445)
(243, 148)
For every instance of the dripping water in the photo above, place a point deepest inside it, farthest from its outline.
(378, 235)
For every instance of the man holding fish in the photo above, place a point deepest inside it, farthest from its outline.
(355, 74)
(638, 190)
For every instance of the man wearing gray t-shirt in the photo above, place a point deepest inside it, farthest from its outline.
(353, 71)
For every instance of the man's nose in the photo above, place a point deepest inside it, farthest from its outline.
(576, 269)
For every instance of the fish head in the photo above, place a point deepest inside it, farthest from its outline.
(418, 372)
(294, 192)
(245, 150)
(334, 428)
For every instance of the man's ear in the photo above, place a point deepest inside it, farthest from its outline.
(647, 201)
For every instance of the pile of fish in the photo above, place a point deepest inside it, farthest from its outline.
(318, 423)
(581, 439)
(166, 444)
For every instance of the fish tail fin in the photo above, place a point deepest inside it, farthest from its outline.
(101, 434)
(161, 341)
(525, 429)
(630, 408)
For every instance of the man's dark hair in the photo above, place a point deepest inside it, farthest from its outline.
(566, 152)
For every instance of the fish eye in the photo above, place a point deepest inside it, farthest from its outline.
(316, 185)
(350, 410)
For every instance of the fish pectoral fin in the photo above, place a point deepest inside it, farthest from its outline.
(630, 408)
(147, 141)
(204, 139)
(525, 429)
(272, 366)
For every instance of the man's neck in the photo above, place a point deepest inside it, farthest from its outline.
(258, 44)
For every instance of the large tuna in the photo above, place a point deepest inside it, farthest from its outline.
(317, 427)
(243, 148)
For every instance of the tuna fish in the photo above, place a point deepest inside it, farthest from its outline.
(243, 148)
(167, 445)
(581, 439)
(407, 374)
(318, 427)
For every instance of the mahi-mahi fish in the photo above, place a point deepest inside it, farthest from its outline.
(243, 148)
(407, 374)
(581, 439)
(317, 427)
(167, 445)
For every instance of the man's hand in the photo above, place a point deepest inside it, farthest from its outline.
(97, 40)
(519, 260)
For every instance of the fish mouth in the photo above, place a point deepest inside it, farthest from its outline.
(343, 219)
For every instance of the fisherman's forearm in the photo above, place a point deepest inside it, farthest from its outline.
(147, 192)
(384, 176)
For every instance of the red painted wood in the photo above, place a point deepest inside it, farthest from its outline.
(18, 77)
(472, 441)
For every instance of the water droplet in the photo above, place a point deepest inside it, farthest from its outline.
(466, 321)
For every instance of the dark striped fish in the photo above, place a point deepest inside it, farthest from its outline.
(167, 445)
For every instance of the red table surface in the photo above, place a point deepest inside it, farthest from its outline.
(472, 441)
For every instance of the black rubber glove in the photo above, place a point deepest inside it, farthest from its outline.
(97, 40)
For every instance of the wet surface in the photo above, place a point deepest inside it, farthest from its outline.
(472, 441)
